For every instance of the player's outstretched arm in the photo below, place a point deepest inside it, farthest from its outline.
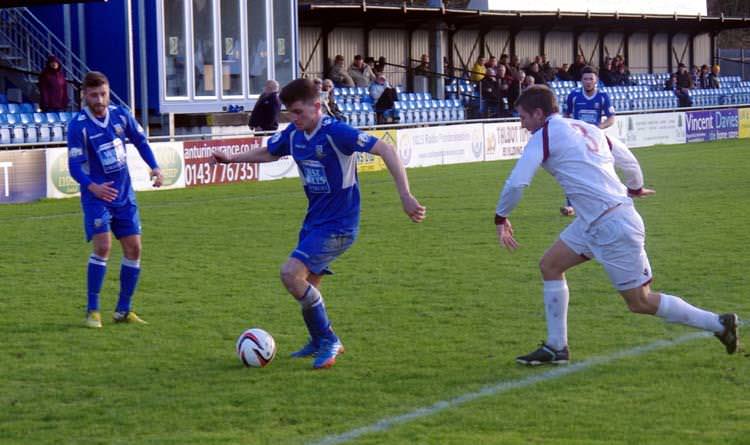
(412, 207)
(260, 155)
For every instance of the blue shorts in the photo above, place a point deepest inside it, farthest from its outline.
(100, 218)
(319, 247)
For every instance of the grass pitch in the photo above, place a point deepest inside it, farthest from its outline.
(427, 312)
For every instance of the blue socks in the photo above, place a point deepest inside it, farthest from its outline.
(129, 272)
(95, 278)
(315, 314)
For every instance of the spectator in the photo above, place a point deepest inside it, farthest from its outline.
(695, 76)
(423, 69)
(671, 83)
(52, 87)
(490, 99)
(265, 114)
(527, 82)
(548, 72)
(383, 95)
(361, 73)
(713, 78)
(477, 71)
(514, 65)
(330, 106)
(338, 73)
(514, 89)
(491, 63)
(370, 61)
(504, 82)
(504, 62)
(380, 66)
(623, 76)
(703, 77)
(535, 72)
(575, 69)
(684, 84)
(605, 72)
(562, 73)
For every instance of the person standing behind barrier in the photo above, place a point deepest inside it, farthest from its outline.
(53, 88)
(361, 72)
(684, 85)
(265, 114)
(713, 78)
(97, 161)
(478, 70)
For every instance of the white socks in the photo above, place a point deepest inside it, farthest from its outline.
(556, 298)
(676, 310)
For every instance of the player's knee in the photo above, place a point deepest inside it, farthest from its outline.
(548, 268)
(288, 274)
(639, 305)
(102, 251)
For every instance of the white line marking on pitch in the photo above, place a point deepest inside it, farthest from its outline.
(501, 387)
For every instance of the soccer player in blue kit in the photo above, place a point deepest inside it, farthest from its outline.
(97, 161)
(324, 150)
(588, 104)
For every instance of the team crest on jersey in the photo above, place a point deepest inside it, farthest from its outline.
(75, 152)
(98, 222)
(326, 121)
(319, 152)
(275, 138)
(118, 129)
(362, 139)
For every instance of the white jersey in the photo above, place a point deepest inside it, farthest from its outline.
(582, 159)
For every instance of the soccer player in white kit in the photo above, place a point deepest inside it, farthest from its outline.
(608, 228)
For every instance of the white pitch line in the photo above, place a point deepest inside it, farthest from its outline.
(503, 386)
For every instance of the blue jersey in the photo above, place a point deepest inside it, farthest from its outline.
(96, 152)
(589, 109)
(327, 164)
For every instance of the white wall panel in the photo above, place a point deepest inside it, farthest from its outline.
(390, 43)
(558, 47)
(637, 57)
(307, 38)
(702, 49)
(661, 53)
(527, 46)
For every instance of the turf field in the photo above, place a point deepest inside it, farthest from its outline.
(432, 316)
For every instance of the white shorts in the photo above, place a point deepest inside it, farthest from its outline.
(617, 241)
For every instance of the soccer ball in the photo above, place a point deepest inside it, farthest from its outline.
(256, 348)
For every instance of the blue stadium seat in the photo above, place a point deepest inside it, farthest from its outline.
(3, 108)
(14, 109)
(65, 116)
(3, 99)
(27, 108)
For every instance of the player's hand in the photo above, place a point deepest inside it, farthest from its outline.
(157, 177)
(413, 208)
(220, 157)
(505, 235)
(104, 191)
(644, 192)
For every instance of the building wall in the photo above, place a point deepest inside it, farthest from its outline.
(680, 51)
(558, 47)
(661, 53)
(307, 38)
(389, 43)
(527, 46)
(637, 56)
(702, 49)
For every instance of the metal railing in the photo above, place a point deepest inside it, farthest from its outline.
(32, 42)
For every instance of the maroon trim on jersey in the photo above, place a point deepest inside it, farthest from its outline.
(635, 192)
(609, 142)
(647, 282)
(545, 141)
(584, 256)
(500, 220)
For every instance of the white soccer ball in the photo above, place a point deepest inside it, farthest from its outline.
(256, 348)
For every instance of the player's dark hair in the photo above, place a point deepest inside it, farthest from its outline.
(588, 69)
(299, 89)
(95, 79)
(538, 96)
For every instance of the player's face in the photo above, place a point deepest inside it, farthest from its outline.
(589, 82)
(97, 99)
(531, 121)
(305, 115)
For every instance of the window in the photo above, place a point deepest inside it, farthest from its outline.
(231, 48)
(282, 41)
(174, 48)
(257, 61)
(203, 47)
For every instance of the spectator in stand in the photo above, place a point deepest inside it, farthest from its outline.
(504, 61)
(265, 114)
(695, 74)
(423, 69)
(383, 96)
(361, 72)
(713, 78)
(575, 69)
(489, 106)
(331, 108)
(548, 72)
(703, 77)
(53, 87)
(684, 85)
(671, 83)
(527, 82)
(338, 73)
(514, 90)
(514, 65)
(623, 76)
(605, 72)
(477, 71)
(370, 61)
(504, 82)
(535, 72)
(491, 63)
(562, 73)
